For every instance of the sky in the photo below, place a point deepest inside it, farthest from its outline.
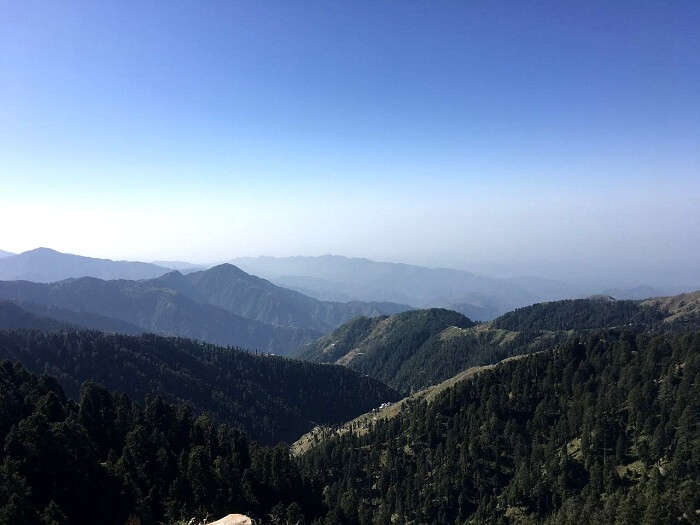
(559, 139)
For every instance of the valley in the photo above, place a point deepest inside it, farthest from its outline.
(417, 395)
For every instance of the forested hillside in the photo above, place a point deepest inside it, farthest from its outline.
(416, 349)
(43, 317)
(681, 311)
(12, 316)
(579, 314)
(413, 350)
(108, 461)
(270, 398)
(600, 426)
(392, 349)
(604, 429)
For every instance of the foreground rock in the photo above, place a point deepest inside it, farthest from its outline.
(233, 519)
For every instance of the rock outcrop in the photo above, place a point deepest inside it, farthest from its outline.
(233, 519)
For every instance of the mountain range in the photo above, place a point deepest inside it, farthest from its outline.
(153, 308)
(334, 277)
(574, 411)
(222, 305)
(238, 292)
(46, 265)
(181, 266)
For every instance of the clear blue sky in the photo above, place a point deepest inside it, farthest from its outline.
(452, 133)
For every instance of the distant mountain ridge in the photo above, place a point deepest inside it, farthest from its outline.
(3, 253)
(47, 265)
(222, 305)
(238, 292)
(181, 266)
(225, 286)
(334, 277)
(154, 308)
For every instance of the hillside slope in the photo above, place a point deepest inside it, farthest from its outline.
(363, 423)
(601, 429)
(154, 308)
(13, 316)
(107, 460)
(270, 398)
(406, 351)
(412, 350)
(85, 320)
(580, 314)
(408, 354)
(684, 308)
(251, 297)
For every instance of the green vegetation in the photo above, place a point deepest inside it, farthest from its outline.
(270, 398)
(599, 425)
(681, 311)
(602, 430)
(105, 460)
(578, 314)
(415, 349)
(390, 349)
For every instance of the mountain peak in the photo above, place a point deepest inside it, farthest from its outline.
(171, 277)
(226, 268)
(47, 265)
(42, 250)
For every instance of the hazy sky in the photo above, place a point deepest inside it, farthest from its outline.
(535, 136)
